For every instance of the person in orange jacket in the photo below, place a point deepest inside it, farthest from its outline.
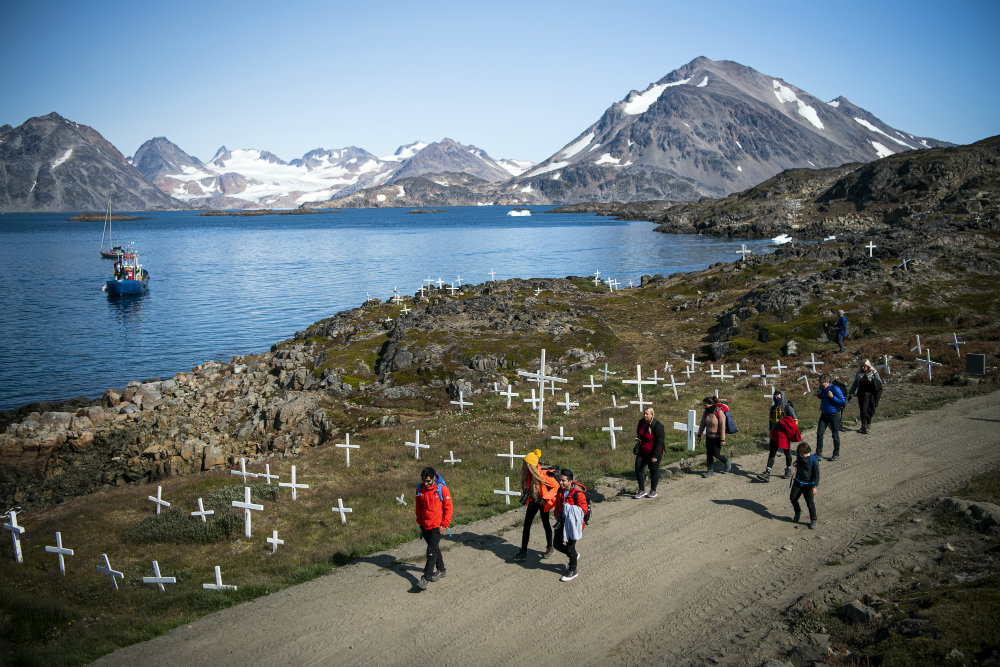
(433, 507)
(539, 495)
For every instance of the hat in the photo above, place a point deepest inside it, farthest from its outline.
(532, 457)
(867, 363)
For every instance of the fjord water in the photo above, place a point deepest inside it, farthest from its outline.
(221, 286)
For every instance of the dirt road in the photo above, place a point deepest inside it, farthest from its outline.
(696, 576)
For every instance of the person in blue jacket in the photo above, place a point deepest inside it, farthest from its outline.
(840, 331)
(832, 400)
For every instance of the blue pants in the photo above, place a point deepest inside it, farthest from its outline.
(833, 421)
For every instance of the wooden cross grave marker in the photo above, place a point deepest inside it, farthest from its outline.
(690, 428)
(509, 393)
(242, 472)
(202, 512)
(506, 493)
(560, 437)
(541, 378)
(60, 551)
(511, 455)
(417, 446)
(592, 386)
(347, 447)
(292, 485)
(247, 506)
(218, 585)
(461, 403)
(610, 429)
(344, 511)
(274, 541)
(15, 534)
(160, 502)
(158, 578)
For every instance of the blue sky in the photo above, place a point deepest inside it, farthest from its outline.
(518, 79)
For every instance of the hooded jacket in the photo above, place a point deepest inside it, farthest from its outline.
(785, 432)
(433, 506)
(780, 409)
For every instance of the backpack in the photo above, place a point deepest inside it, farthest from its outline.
(843, 390)
(590, 503)
(730, 422)
(439, 480)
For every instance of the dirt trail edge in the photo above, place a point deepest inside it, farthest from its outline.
(696, 576)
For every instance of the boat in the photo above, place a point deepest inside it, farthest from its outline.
(129, 277)
(113, 250)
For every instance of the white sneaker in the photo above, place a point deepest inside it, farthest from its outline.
(569, 576)
(641, 494)
(651, 494)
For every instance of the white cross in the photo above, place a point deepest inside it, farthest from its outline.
(552, 387)
(347, 447)
(693, 362)
(560, 437)
(771, 395)
(538, 291)
(218, 585)
(533, 400)
(690, 427)
(401, 499)
(764, 375)
(611, 428)
(739, 370)
(114, 574)
(917, 347)
(343, 510)
(429, 281)
(592, 386)
(630, 283)
(160, 503)
(597, 277)
(202, 512)
(610, 284)
(274, 541)
(722, 373)
(15, 533)
(267, 474)
(885, 364)
(439, 282)
(614, 403)
(420, 290)
(929, 363)
(460, 402)
(242, 472)
(387, 320)
(417, 446)
(405, 309)
(606, 371)
(614, 283)
(246, 506)
(905, 264)
(541, 377)
(492, 274)
(813, 364)
(568, 404)
(655, 377)
(688, 371)
(743, 251)
(509, 393)
(806, 378)
(458, 280)
(292, 485)
(667, 367)
(956, 344)
(711, 370)
(452, 289)
(60, 551)
(638, 382)
(871, 247)
(452, 460)
(506, 493)
(673, 384)
(395, 295)
(778, 367)
(158, 578)
(511, 456)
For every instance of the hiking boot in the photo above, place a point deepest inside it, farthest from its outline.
(812, 525)
(640, 494)
(548, 552)
(440, 574)
(708, 473)
(569, 576)
(788, 473)
(520, 556)
(835, 457)
(728, 466)
(795, 517)
(765, 476)
(651, 494)
(422, 584)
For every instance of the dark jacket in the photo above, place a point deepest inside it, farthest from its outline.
(656, 428)
(864, 385)
(779, 410)
(807, 471)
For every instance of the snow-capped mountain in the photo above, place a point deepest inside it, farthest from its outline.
(248, 178)
(709, 128)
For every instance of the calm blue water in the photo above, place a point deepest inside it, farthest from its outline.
(221, 286)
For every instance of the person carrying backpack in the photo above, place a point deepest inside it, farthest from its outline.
(571, 513)
(434, 509)
(539, 486)
(868, 388)
(713, 425)
(805, 483)
(832, 401)
(785, 432)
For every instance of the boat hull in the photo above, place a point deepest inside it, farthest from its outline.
(117, 287)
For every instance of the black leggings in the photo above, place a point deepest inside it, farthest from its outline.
(433, 539)
(804, 491)
(713, 449)
(774, 450)
(654, 471)
(529, 516)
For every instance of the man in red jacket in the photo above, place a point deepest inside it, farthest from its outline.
(433, 507)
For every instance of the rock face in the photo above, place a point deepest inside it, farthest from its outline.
(709, 128)
(52, 164)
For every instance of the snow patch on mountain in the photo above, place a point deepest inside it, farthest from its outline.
(62, 158)
(704, 82)
(640, 103)
(888, 136)
(882, 150)
(547, 168)
(607, 159)
(786, 94)
(577, 146)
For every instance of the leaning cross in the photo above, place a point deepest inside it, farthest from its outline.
(417, 446)
(292, 485)
(202, 512)
(114, 574)
(885, 363)
(560, 437)
(160, 503)
(813, 364)
(917, 347)
(344, 511)
(606, 371)
(929, 363)
(506, 493)
(806, 378)
(511, 456)
(688, 371)
(158, 578)
(347, 447)
(218, 585)
(956, 344)
(60, 551)
(690, 428)
(15, 533)
(611, 428)
(242, 472)
(614, 404)
(246, 506)
(673, 384)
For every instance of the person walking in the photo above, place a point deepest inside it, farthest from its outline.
(434, 509)
(840, 331)
(784, 433)
(571, 508)
(868, 388)
(648, 452)
(539, 488)
(713, 425)
(805, 484)
(832, 400)
(780, 407)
